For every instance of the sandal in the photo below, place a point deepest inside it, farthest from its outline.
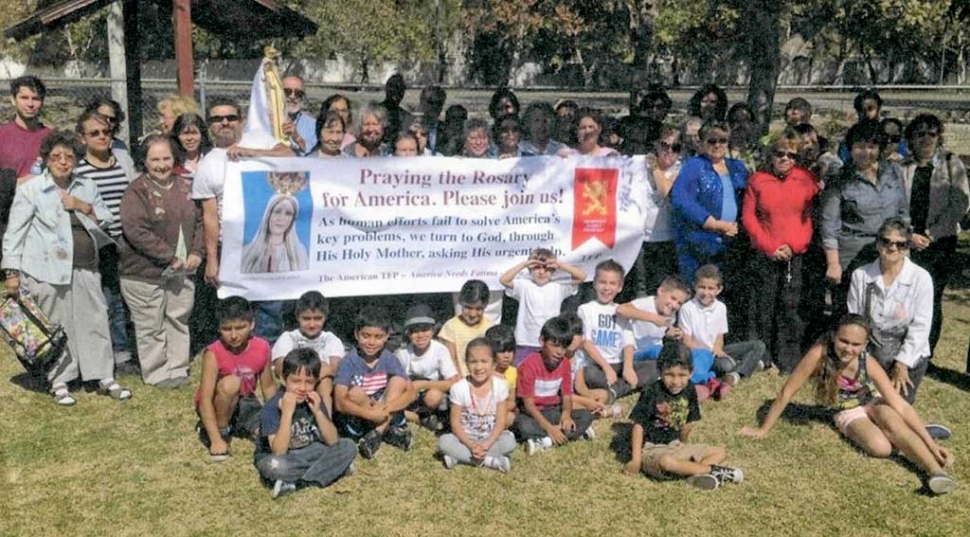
(114, 390)
(62, 397)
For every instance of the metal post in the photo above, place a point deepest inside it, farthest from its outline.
(133, 69)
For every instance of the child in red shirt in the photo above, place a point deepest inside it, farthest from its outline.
(545, 393)
(231, 368)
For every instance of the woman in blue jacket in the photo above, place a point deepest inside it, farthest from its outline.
(706, 200)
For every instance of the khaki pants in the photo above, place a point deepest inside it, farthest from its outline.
(80, 309)
(160, 312)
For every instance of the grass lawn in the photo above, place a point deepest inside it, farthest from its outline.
(136, 468)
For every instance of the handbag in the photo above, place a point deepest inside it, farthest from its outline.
(36, 342)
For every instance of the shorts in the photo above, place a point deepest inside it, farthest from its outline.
(846, 417)
(244, 422)
(682, 452)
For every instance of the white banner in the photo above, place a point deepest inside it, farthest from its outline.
(357, 227)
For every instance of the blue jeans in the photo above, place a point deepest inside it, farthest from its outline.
(269, 319)
(316, 464)
(117, 318)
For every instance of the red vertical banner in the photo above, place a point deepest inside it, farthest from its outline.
(594, 205)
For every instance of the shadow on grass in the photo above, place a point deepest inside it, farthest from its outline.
(30, 382)
(949, 376)
(797, 413)
(620, 444)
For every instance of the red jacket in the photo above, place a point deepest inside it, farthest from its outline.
(779, 211)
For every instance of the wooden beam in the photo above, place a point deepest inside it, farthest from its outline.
(182, 13)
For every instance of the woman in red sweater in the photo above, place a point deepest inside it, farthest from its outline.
(777, 214)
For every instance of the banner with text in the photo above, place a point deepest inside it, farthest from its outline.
(357, 227)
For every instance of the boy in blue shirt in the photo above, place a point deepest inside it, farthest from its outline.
(372, 389)
(298, 443)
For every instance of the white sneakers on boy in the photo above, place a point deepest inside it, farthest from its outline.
(535, 445)
(589, 434)
(449, 461)
(281, 488)
(727, 474)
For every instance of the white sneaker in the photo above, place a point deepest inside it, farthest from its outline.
(732, 379)
(589, 434)
(281, 489)
(535, 445)
(703, 481)
(449, 461)
(941, 484)
(351, 470)
(502, 464)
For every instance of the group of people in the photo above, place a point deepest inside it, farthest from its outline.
(790, 233)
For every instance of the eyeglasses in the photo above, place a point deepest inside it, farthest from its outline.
(99, 132)
(887, 243)
(297, 92)
(782, 154)
(111, 119)
(716, 141)
(231, 118)
(931, 134)
(675, 148)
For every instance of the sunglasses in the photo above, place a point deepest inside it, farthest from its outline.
(675, 148)
(99, 132)
(231, 118)
(782, 154)
(716, 141)
(886, 243)
(920, 134)
(297, 92)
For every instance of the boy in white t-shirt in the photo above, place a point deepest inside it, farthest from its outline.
(703, 321)
(312, 310)
(606, 366)
(540, 297)
(429, 366)
(648, 320)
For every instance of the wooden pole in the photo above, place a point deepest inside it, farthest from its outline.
(182, 12)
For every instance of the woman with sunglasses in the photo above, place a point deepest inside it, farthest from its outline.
(935, 182)
(658, 255)
(706, 202)
(867, 192)
(777, 216)
(111, 170)
(111, 110)
(896, 296)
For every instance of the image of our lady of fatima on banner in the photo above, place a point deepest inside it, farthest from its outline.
(277, 242)
(594, 210)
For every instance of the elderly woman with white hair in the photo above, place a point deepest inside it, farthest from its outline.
(370, 133)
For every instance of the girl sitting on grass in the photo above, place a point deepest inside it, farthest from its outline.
(870, 413)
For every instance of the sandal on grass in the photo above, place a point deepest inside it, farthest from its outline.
(62, 397)
(114, 390)
(220, 457)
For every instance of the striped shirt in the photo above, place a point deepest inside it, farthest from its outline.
(112, 182)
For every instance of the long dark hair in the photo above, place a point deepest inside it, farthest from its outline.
(191, 119)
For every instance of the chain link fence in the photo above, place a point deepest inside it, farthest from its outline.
(834, 113)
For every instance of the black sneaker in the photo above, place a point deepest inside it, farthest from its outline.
(399, 437)
(726, 474)
(369, 444)
(431, 422)
(938, 432)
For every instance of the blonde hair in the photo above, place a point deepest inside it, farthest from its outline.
(178, 105)
(257, 252)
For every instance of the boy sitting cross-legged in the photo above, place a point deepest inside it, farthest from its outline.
(298, 443)
(371, 389)
(544, 390)
(662, 424)
(231, 368)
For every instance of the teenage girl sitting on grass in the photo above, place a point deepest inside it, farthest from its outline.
(871, 414)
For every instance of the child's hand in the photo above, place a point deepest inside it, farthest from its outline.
(218, 447)
(552, 265)
(630, 376)
(557, 435)
(674, 333)
(567, 424)
(632, 468)
(943, 456)
(288, 403)
(479, 451)
(314, 399)
(752, 432)
(610, 376)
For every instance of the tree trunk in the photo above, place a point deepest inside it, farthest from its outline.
(763, 18)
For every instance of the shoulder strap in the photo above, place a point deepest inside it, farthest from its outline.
(870, 288)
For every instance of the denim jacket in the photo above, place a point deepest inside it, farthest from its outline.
(696, 195)
(38, 240)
